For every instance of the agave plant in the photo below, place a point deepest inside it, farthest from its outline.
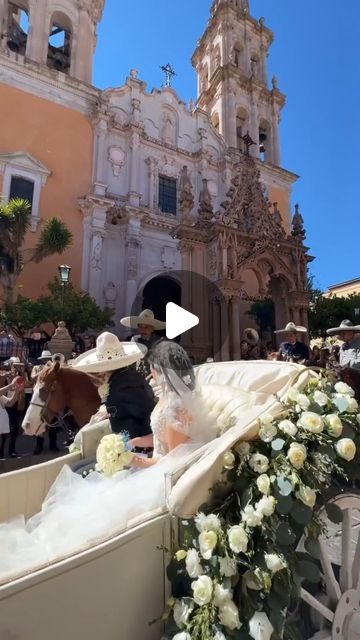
(15, 221)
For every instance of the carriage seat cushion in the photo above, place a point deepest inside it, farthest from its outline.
(226, 404)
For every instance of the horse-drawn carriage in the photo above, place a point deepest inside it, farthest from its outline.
(115, 588)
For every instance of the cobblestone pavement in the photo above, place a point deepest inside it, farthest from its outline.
(25, 447)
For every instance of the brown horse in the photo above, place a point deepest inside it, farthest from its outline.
(56, 389)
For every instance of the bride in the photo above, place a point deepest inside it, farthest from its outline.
(79, 512)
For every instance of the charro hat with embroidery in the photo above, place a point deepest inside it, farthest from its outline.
(110, 354)
(345, 325)
(145, 317)
(291, 327)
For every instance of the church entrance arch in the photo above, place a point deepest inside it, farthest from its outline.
(158, 292)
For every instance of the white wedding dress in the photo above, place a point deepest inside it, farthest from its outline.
(80, 512)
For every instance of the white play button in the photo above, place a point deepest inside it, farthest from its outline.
(178, 321)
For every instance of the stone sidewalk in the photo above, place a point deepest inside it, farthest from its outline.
(25, 446)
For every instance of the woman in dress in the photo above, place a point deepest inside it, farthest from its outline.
(8, 397)
(79, 512)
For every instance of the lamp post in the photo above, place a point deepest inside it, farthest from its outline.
(64, 273)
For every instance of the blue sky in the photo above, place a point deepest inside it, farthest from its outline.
(316, 58)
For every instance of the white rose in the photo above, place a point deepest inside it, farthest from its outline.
(202, 590)
(238, 540)
(274, 562)
(181, 555)
(219, 636)
(352, 405)
(207, 523)
(311, 421)
(259, 463)
(297, 455)
(267, 419)
(260, 627)
(266, 506)
(182, 636)
(321, 398)
(306, 495)
(251, 517)
(207, 543)
(228, 460)
(346, 449)
(221, 595)
(292, 395)
(227, 567)
(303, 401)
(344, 389)
(263, 484)
(334, 425)
(229, 616)
(182, 610)
(288, 427)
(192, 562)
(243, 448)
(267, 432)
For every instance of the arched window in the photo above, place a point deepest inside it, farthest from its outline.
(237, 55)
(60, 41)
(265, 149)
(242, 126)
(18, 26)
(216, 121)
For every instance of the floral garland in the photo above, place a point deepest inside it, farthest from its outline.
(239, 573)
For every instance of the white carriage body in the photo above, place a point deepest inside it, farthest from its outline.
(114, 589)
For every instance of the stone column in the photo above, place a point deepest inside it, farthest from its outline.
(134, 196)
(236, 335)
(98, 234)
(86, 251)
(254, 129)
(275, 141)
(225, 351)
(3, 24)
(83, 52)
(38, 36)
(186, 250)
(100, 160)
(152, 164)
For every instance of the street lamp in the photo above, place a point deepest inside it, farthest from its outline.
(64, 272)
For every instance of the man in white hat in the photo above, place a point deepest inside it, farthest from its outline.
(292, 350)
(126, 394)
(146, 324)
(349, 355)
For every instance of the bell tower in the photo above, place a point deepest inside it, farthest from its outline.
(58, 34)
(231, 65)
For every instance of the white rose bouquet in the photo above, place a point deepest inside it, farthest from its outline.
(113, 454)
(239, 565)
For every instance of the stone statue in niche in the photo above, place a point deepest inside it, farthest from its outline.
(97, 251)
(169, 132)
(110, 295)
(206, 211)
(186, 196)
(116, 159)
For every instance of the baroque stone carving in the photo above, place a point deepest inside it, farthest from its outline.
(212, 260)
(186, 196)
(206, 212)
(247, 209)
(169, 129)
(117, 159)
(298, 228)
(96, 260)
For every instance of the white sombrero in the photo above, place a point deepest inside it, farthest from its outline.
(345, 325)
(110, 354)
(145, 317)
(15, 361)
(291, 327)
(46, 355)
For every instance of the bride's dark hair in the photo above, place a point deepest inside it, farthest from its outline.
(172, 361)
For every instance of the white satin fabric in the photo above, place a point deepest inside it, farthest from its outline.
(80, 512)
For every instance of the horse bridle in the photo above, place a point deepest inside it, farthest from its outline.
(44, 407)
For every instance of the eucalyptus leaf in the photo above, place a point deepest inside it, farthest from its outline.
(309, 571)
(278, 444)
(285, 535)
(313, 548)
(284, 505)
(284, 486)
(301, 513)
(334, 513)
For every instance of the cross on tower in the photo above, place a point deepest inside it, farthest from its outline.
(248, 142)
(169, 74)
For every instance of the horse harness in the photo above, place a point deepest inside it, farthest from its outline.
(44, 407)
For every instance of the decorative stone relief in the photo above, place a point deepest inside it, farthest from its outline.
(117, 159)
(96, 260)
(110, 295)
(212, 260)
(186, 196)
(168, 128)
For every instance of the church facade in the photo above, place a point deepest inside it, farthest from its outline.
(153, 182)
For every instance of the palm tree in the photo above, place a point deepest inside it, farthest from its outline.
(15, 221)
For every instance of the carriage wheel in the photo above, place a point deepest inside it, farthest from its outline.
(336, 609)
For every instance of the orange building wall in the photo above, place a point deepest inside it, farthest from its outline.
(282, 198)
(62, 140)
